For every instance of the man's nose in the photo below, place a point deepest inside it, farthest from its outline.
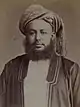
(38, 36)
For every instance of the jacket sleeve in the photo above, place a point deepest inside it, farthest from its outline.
(3, 81)
(2, 87)
(75, 77)
(3, 78)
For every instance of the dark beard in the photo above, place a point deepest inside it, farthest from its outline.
(39, 55)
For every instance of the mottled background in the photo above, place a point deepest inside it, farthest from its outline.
(11, 39)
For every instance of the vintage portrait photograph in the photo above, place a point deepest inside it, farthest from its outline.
(39, 53)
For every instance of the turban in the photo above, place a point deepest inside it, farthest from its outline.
(39, 12)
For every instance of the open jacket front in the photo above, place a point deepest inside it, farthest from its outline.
(63, 81)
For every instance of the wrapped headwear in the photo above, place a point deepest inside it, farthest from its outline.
(39, 12)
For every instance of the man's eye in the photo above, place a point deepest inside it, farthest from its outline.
(31, 33)
(43, 32)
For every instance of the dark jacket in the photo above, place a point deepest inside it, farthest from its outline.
(63, 83)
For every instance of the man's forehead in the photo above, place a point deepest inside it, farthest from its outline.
(39, 24)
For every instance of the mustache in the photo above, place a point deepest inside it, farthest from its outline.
(39, 43)
(34, 45)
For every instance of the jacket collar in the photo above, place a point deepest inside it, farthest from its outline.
(53, 71)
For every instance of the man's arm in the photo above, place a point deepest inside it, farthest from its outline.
(75, 77)
(3, 87)
(4, 76)
(3, 81)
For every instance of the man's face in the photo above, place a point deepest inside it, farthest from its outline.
(39, 34)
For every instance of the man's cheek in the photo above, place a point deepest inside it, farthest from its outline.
(31, 41)
(46, 41)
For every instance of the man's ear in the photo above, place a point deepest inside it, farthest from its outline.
(53, 36)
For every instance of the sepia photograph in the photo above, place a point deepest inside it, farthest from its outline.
(39, 53)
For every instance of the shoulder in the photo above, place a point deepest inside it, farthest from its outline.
(68, 63)
(71, 66)
(16, 59)
(15, 62)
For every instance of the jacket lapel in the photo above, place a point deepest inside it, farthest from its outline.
(23, 68)
(54, 69)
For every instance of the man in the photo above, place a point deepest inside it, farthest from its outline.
(42, 77)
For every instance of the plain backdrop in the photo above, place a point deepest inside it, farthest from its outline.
(11, 38)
